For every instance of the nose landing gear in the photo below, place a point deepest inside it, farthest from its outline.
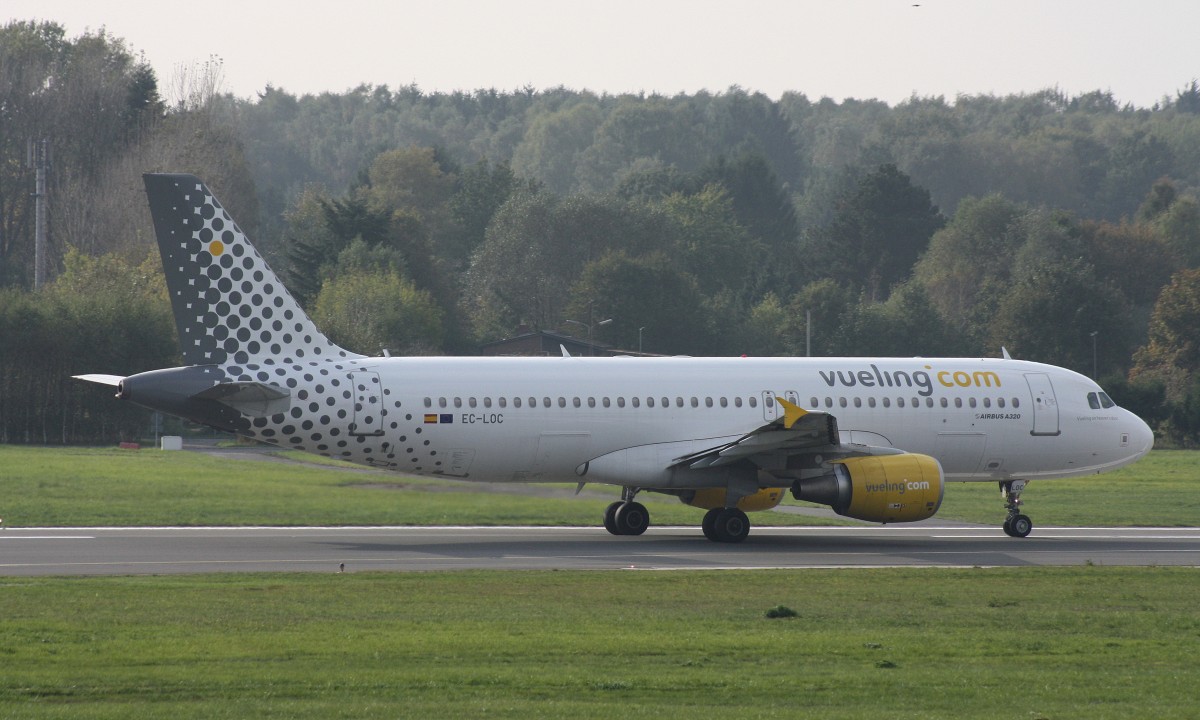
(1016, 524)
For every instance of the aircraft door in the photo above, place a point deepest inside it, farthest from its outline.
(368, 404)
(1045, 405)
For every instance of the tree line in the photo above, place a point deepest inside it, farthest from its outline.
(1065, 229)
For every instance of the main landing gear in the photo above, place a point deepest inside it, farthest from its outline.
(726, 525)
(626, 517)
(1016, 524)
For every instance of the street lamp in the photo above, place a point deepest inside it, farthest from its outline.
(591, 345)
(1094, 334)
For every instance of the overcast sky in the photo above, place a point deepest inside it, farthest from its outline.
(885, 49)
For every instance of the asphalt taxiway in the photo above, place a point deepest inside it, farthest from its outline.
(122, 551)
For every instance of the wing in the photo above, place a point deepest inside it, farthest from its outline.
(798, 431)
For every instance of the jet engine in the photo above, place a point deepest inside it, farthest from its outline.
(887, 488)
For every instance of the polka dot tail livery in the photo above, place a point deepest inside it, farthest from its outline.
(256, 363)
(229, 305)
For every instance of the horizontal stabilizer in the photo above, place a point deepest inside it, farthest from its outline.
(113, 380)
(254, 399)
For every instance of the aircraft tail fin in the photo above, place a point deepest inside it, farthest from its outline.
(229, 305)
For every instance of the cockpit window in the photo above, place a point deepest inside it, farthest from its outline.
(1106, 401)
(1093, 401)
(1098, 400)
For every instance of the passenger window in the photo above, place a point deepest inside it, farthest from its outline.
(1016, 402)
(870, 402)
(737, 401)
(471, 402)
(428, 402)
(857, 402)
(457, 402)
(695, 402)
(620, 402)
(576, 402)
(546, 402)
(503, 402)
(770, 401)
(636, 401)
(929, 402)
(591, 402)
(533, 402)
(606, 402)
(842, 401)
(708, 402)
(916, 403)
(813, 402)
(1000, 402)
(562, 401)
(753, 401)
(945, 403)
(724, 402)
(828, 402)
(678, 401)
(957, 402)
(487, 402)
(987, 402)
(516, 402)
(666, 402)
(899, 402)
(971, 402)
(887, 403)
(649, 402)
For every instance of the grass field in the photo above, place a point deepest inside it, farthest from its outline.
(82, 486)
(1084, 642)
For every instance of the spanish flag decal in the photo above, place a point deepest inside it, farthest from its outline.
(435, 419)
(430, 418)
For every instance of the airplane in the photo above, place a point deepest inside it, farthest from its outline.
(876, 439)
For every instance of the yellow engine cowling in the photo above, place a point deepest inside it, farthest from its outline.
(709, 498)
(886, 488)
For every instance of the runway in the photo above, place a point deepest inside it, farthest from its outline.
(136, 551)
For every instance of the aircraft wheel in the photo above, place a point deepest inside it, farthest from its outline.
(708, 525)
(610, 518)
(731, 525)
(632, 518)
(1019, 526)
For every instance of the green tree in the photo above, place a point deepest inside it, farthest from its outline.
(647, 292)
(968, 264)
(369, 310)
(879, 232)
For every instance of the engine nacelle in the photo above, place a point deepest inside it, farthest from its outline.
(885, 488)
(709, 498)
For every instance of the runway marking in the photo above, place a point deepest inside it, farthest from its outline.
(47, 537)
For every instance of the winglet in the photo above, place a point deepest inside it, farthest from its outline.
(791, 412)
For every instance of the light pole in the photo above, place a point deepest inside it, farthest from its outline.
(591, 345)
(1094, 334)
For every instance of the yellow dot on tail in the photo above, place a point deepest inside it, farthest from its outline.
(216, 247)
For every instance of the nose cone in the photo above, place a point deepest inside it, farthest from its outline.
(1142, 437)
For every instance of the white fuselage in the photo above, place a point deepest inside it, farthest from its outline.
(541, 419)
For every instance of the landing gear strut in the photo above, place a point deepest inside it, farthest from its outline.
(726, 525)
(626, 517)
(1016, 524)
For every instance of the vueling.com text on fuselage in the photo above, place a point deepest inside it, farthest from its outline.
(923, 380)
